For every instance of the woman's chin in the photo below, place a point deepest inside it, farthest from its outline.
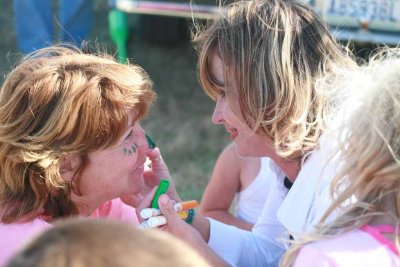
(241, 151)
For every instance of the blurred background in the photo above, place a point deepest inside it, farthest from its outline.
(180, 120)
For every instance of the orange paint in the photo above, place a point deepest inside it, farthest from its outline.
(186, 205)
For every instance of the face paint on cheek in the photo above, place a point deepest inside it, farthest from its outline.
(131, 150)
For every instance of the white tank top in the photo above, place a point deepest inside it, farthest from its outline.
(250, 201)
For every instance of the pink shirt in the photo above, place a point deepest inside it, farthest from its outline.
(14, 236)
(353, 249)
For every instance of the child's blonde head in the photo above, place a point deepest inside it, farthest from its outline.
(82, 242)
(368, 184)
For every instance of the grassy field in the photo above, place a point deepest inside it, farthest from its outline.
(180, 120)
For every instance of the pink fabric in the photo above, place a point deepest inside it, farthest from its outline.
(118, 210)
(376, 232)
(14, 236)
(353, 249)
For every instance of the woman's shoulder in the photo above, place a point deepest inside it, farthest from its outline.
(15, 235)
(116, 209)
(23, 228)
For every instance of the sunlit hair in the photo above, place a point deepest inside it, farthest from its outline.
(368, 184)
(272, 51)
(57, 102)
(84, 242)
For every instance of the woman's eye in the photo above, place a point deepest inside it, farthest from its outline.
(129, 135)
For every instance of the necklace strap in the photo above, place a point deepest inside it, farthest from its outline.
(287, 183)
(375, 231)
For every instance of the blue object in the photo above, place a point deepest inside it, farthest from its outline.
(34, 22)
(191, 214)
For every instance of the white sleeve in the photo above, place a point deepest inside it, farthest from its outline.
(260, 247)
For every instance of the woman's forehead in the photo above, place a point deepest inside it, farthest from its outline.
(217, 68)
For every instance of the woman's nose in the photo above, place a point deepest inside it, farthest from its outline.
(143, 142)
(217, 116)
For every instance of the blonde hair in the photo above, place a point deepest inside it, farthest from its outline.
(56, 102)
(84, 242)
(369, 151)
(273, 51)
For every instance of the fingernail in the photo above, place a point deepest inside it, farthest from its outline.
(163, 200)
(150, 142)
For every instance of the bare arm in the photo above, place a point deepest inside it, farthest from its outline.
(226, 245)
(239, 248)
(222, 188)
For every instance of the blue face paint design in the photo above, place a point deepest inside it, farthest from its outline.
(150, 142)
(131, 150)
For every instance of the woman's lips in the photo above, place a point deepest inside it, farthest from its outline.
(233, 132)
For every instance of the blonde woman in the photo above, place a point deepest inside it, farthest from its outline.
(259, 61)
(105, 243)
(367, 189)
(71, 143)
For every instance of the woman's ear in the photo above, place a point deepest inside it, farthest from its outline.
(69, 166)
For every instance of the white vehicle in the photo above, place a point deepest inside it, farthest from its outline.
(360, 21)
(371, 21)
